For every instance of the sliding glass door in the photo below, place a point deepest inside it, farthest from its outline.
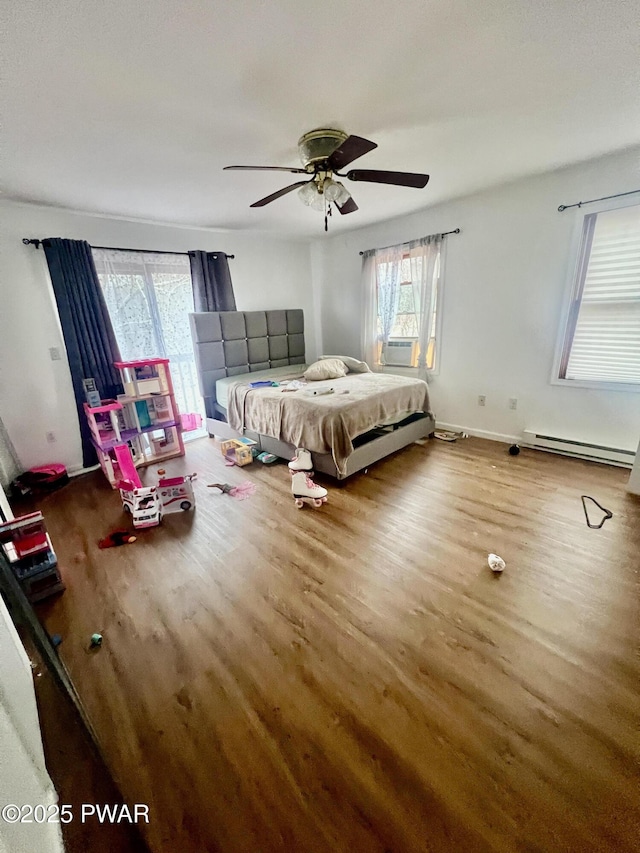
(149, 297)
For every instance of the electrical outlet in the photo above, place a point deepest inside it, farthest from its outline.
(51, 437)
(54, 352)
(513, 403)
(482, 400)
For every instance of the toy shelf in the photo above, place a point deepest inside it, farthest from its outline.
(142, 426)
(161, 457)
(123, 398)
(26, 545)
(107, 441)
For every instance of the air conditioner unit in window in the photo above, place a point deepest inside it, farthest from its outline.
(399, 353)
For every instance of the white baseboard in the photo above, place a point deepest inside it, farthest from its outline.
(481, 433)
(76, 470)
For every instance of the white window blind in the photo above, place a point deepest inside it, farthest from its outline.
(602, 342)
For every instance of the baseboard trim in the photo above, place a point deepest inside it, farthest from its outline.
(481, 433)
(78, 469)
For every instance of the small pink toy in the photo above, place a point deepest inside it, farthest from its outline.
(240, 493)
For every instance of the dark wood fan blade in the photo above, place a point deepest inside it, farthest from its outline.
(352, 148)
(292, 169)
(268, 199)
(348, 207)
(400, 179)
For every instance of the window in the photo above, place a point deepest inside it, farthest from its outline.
(149, 296)
(601, 343)
(405, 323)
(400, 310)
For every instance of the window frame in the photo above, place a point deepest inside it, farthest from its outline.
(575, 281)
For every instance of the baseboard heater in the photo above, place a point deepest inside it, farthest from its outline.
(579, 449)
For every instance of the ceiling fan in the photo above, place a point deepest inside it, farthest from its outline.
(323, 152)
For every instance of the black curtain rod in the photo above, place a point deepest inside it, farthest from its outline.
(593, 200)
(38, 243)
(444, 234)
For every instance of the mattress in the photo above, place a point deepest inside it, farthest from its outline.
(275, 373)
(326, 423)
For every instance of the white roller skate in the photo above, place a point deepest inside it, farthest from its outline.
(306, 491)
(301, 461)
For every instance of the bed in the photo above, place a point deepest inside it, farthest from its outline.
(365, 417)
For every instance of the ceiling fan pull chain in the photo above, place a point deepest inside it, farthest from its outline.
(327, 214)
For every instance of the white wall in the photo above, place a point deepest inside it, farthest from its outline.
(35, 393)
(24, 777)
(505, 282)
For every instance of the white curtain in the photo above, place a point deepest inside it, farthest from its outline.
(369, 329)
(382, 274)
(149, 296)
(425, 258)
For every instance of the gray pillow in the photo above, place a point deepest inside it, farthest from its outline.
(352, 364)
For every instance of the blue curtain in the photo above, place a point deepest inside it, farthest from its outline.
(211, 279)
(86, 326)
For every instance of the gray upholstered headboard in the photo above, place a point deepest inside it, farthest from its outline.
(230, 342)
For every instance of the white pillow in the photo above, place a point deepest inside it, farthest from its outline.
(352, 364)
(326, 368)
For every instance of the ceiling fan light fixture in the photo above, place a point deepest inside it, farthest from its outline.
(335, 191)
(307, 193)
(311, 197)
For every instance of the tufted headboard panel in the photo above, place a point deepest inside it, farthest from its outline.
(227, 343)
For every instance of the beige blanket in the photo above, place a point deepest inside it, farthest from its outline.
(326, 423)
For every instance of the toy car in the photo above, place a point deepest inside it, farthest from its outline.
(148, 504)
(176, 493)
(143, 504)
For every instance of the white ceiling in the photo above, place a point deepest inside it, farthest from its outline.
(133, 108)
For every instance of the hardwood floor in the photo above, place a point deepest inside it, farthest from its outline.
(77, 771)
(355, 678)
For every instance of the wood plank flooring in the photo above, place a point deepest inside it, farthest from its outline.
(355, 678)
(77, 771)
